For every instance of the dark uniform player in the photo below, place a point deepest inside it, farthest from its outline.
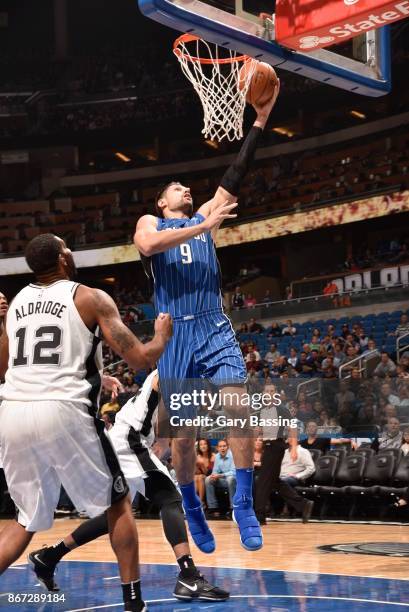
(132, 437)
(184, 268)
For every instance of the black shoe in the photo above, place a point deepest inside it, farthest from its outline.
(307, 510)
(43, 570)
(198, 588)
(261, 519)
(136, 606)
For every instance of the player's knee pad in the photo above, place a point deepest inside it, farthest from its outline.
(173, 522)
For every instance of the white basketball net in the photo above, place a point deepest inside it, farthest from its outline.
(215, 80)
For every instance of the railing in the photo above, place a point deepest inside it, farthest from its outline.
(317, 303)
(400, 349)
(308, 385)
(361, 361)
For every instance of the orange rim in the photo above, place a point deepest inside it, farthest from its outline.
(186, 38)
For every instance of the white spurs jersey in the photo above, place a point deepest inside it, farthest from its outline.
(139, 414)
(52, 353)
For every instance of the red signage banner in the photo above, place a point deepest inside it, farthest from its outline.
(306, 25)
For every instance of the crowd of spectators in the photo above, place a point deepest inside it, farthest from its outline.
(369, 394)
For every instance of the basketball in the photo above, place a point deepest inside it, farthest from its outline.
(262, 84)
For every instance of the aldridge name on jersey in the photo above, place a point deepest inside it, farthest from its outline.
(53, 308)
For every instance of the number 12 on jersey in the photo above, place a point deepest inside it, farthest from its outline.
(186, 253)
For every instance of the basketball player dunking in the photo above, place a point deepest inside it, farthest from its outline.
(185, 272)
(50, 352)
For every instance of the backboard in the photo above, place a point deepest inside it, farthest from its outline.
(361, 66)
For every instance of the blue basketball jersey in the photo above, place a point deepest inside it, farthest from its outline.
(186, 277)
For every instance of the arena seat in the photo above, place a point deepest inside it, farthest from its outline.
(349, 473)
(378, 472)
(400, 480)
(325, 469)
(341, 453)
(366, 451)
(315, 453)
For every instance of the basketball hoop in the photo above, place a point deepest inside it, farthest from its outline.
(216, 82)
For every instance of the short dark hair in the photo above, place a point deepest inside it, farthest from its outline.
(42, 253)
(160, 194)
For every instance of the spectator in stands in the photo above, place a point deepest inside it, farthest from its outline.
(312, 441)
(401, 371)
(293, 358)
(293, 409)
(345, 330)
(272, 354)
(307, 364)
(385, 367)
(324, 419)
(237, 300)
(267, 297)
(363, 339)
(317, 408)
(252, 363)
(331, 332)
(243, 329)
(253, 349)
(304, 411)
(295, 472)
(403, 327)
(328, 370)
(250, 301)
(344, 395)
(385, 394)
(371, 346)
(403, 406)
(253, 381)
(265, 375)
(288, 293)
(352, 340)
(289, 329)
(204, 465)
(223, 476)
(279, 366)
(391, 438)
(331, 290)
(386, 412)
(405, 442)
(275, 330)
(315, 343)
(367, 414)
(338, 355)
(254, 327)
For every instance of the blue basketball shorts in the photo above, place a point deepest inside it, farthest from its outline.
(203, 347)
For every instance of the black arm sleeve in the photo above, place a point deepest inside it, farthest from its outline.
(237, 171)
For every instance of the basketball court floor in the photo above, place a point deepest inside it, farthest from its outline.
(290, 574)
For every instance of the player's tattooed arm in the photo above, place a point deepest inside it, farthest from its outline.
(122, 340)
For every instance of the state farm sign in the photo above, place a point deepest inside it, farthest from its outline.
(305, 25)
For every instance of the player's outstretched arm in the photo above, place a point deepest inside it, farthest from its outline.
(234, 175)
(98, 307)
(149, 241)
